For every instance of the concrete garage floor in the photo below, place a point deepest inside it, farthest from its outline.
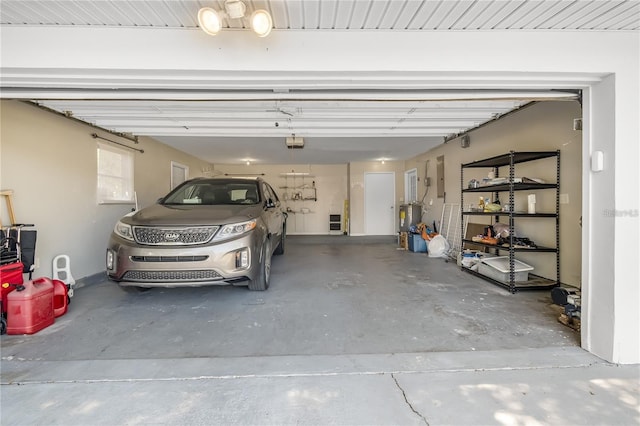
(352, 331)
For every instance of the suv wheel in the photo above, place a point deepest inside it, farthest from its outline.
(261, 283)
(283, 238)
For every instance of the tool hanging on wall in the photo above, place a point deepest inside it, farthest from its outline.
(16, 244)
(7, 194)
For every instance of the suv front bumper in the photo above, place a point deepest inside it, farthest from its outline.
(228, 262)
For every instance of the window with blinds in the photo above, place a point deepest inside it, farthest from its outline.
(115, 175)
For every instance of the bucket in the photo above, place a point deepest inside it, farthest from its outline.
(30, 307)
(60, 298)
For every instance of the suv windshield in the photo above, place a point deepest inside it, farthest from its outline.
(212, 193)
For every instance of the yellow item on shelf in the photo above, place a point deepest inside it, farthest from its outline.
(492, 207)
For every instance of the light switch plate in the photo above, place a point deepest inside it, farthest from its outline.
(564, 198)
(597, 161)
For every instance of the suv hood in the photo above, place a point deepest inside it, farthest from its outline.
(168, 215)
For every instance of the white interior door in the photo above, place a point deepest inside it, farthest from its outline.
(179, 173)
(379, 203)
(411, 186)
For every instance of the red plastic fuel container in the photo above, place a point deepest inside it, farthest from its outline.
(30, 310)
(10, 275)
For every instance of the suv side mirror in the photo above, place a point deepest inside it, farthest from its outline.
(270, 204)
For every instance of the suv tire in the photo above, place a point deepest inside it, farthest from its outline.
(283, 238)
(261, 283)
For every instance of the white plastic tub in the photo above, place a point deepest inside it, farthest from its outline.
(498, 269)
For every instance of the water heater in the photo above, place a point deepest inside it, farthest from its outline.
(410, 214)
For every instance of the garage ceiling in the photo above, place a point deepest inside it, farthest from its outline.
(228, 118)
(353, 15)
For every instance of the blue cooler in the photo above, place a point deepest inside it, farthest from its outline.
(417, 243)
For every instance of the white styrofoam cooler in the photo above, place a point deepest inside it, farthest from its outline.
(498, 269)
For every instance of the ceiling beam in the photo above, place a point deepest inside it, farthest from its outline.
(298, 96)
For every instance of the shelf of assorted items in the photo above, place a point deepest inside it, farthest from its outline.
(512, 185)
(298, 188)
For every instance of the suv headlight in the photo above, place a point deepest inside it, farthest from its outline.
(235, 229)
(123, 230)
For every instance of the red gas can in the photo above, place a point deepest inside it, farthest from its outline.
(9, 274)
(30, 310)
(60, 299)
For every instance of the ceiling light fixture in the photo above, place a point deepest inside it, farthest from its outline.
(261, 23)
(210, 20)
(235, 8)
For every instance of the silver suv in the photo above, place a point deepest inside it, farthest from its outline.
(207, 231)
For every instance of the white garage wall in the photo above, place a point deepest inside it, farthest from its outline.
(335, 184)
(600, 299)
(546, 126)
(50, 164)
(331, 187)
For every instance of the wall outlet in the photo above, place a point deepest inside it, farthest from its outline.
(564, 198)
(577, 124)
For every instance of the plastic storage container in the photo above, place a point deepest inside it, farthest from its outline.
(468, 258)
(498, 269)
(30, 310)
(417, 243)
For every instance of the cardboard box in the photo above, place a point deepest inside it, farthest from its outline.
(474, 229)
(403, 240)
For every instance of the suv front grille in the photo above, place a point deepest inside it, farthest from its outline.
(171, 276)
(174, 236)
(169, 258)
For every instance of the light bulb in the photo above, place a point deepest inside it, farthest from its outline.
(261, 23)
(209, 21)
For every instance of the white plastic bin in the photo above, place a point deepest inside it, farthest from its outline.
(498, 269)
